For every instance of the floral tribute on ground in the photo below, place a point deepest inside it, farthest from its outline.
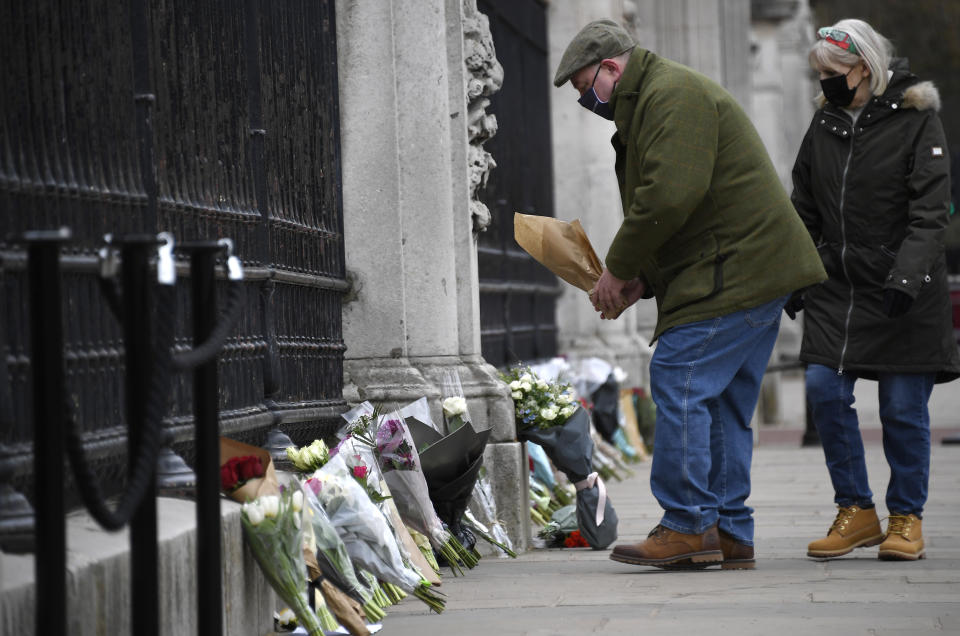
(548, 415)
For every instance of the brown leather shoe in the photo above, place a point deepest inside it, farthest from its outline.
(736, 555)
(666, 548)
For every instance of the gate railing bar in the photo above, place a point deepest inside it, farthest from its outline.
(46, 337)
(148, 366)
(140, 365)
(206, 424)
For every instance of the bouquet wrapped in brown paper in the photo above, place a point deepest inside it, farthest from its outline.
(561, 247)
(246, 472)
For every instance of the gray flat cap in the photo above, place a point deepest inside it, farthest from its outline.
(599, 40)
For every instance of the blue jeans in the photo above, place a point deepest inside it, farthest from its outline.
(906, 436)
(705, 380)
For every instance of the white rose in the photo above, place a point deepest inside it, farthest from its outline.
(515, 385)
(526, 386)
(254, 512)
(565, 398)
(271, 505)
(454, 406)
(567, 411)
(317, 453)
(517, 395)
(287, 617)
(548, 414)
(542, 385)
(297, 501)
(526, 377)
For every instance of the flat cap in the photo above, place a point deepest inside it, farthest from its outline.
(599, 40)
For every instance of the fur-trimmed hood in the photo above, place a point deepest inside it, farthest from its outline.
(922, 96)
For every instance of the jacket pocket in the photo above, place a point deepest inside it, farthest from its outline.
(696, 269)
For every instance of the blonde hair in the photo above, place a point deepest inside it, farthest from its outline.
(873, 49)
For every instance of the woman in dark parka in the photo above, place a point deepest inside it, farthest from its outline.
(872, 185)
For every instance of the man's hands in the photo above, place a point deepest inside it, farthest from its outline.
(611, 295)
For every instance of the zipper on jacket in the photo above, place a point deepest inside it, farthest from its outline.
(843, 251)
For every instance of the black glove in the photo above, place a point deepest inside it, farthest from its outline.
(794, 304)
(896, 303)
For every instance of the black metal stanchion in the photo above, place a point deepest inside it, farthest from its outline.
(46, 336)
(137, 326)
(207, 439)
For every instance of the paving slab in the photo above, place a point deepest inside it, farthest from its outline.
(581, 591)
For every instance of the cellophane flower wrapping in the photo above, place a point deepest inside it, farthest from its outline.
(454, 404)
(331, 547)
(362, 527)
(405, 478)
(359, 455)
(272, 527)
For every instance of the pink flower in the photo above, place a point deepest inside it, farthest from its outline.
(360, 472)
(315, 485)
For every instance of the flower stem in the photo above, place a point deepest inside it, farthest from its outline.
(434, 600)
(489, 539)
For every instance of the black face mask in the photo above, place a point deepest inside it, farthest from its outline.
(592, 102)
(837, 92)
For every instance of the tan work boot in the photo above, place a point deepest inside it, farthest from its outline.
(666, 548)
(904, 539)
(854, 527)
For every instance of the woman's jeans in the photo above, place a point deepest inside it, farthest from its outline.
(906, 436)
(705, 380)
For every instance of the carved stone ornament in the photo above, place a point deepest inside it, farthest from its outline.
(484, 78)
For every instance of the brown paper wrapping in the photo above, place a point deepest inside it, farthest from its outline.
(266, 485)
(346, 610)
(561, 247)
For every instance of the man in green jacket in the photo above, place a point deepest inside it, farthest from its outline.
(710, 232)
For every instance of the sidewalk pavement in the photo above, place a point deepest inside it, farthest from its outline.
(559, 592)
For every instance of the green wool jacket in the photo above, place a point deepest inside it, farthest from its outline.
(706, 222)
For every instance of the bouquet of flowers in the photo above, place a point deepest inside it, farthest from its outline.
(332, 556)
(453, 402)
(239, 470)
(488, 527)
(394, 445)
(309, 458)
(547, 414)
(365, 531)
(362, 461)
(246, 472)
(271, 525)
(539, 404)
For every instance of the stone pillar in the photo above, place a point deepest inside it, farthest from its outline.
(409, 221)
(783, 90)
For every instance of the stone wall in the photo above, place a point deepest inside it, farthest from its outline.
(99, 586)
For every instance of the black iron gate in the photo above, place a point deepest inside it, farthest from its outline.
(205, 119)
(517, 294)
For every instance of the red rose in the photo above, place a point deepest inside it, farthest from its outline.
(250, 467)
(575, 540)
(228, 476)
(360, 472)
